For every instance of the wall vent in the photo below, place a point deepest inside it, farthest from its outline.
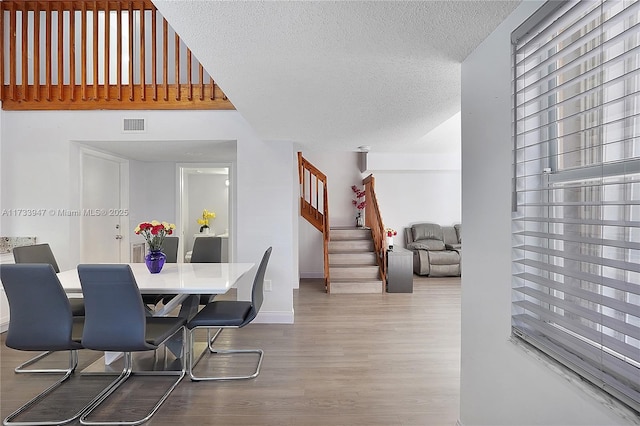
(134, 125)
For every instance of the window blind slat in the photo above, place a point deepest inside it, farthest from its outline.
(573, 22)
(567, 346)
(625, 329)
(587, 332)
(577, 292)
(579, 257)
(593, 53)
(577, 239)
(595, 279)
(570, 221)
(536, 110)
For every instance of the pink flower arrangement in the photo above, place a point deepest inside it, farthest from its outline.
(358, 202)
(390, 232)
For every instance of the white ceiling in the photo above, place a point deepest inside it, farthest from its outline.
(340, 74)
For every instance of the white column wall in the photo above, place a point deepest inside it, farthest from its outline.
(500, 383)
(39, 169)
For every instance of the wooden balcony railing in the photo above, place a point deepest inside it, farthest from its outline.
(97, 54)
(314, 206)
(373, 220)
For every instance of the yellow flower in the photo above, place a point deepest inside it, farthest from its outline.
(206, 215)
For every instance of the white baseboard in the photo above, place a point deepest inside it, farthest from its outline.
(275, 317)
(311, 274)
(4, 327)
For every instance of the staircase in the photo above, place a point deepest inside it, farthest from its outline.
(352, 262)
(353, 257)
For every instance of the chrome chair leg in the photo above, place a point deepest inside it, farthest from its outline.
(22, 370)
(73, 363)
(192, 362)
(124, 375)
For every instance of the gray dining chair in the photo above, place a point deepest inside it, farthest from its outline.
(228, 314)
(37, 253)
(40, 320)
(115, 321)
(206, 250)
(170, 248)
(41, 253)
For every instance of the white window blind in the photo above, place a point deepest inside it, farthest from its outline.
(576, 224)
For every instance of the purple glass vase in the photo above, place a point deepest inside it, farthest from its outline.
(155, 261)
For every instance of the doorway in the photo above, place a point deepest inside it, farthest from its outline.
(205, 186)
(103, 208)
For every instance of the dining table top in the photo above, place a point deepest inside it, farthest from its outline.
(177, 278)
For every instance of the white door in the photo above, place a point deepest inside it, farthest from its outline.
(102, 211)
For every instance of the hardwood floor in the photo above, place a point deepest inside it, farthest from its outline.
(361, 359)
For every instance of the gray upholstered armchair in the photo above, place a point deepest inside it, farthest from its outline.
(437, 251)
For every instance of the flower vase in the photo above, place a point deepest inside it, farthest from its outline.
(359, 221)
(390, 243)
(155, 261)
(204, 230)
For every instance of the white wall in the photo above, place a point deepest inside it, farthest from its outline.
(418, 186)
(409, 197)
(207, 191)
(500, 383)
(39, 170)
(145, 204)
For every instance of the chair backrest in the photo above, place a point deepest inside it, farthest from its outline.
(40, 315)
(114, 311)
(207, 250)
(449, 235)
(257, 292)
(170, 249)
(37, 253)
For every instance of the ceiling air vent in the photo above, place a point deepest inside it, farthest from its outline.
(134, 125)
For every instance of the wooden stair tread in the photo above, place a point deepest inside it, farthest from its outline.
(350, 252)
(354, 265)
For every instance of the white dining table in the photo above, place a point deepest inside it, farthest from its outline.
(180, 279)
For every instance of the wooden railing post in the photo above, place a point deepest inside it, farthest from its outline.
(373, 220)
(310, 207)
(12, 55)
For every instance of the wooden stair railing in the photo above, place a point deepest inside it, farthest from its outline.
(314, 206)
(98, 54)
(373, 220)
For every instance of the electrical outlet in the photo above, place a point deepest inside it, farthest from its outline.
(267, 285)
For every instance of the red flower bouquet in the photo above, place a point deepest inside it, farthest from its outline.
(154, 232)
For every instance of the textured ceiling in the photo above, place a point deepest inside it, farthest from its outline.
(340, 74)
